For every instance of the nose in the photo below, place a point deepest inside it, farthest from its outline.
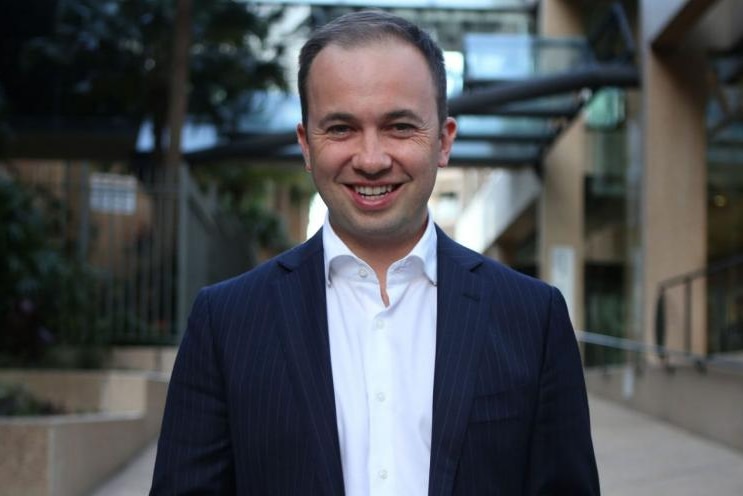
(371, 158)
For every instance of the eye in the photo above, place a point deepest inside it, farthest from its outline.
(402, 129)
(338, 130)
(402, 126)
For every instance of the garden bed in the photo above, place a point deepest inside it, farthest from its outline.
(71, 454)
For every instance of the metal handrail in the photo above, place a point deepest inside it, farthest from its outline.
(709, 270)
(686, 281)
(702, 362)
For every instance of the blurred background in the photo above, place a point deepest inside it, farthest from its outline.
(147, 149)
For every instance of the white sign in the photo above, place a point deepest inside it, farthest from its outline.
(113, 193)
(562, 274)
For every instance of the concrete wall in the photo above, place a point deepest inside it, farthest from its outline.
(708, 404)
(24, 465)
(152, 358)
(69, 455)
(83, 391)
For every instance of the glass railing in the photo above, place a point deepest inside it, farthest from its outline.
(474, 126)
(495, 153)
(272, 112)
(502, 57)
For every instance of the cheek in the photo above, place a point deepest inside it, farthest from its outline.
(422, 162)
(328, 156)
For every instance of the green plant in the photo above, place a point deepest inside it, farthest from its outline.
(113, 58)
(250, 194)
(45, 295)
(17, 400)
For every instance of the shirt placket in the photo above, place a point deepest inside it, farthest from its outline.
(380, 397)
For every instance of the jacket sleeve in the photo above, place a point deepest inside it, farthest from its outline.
(561, 452)
(194, 453)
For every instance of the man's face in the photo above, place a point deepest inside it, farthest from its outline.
(373, 141)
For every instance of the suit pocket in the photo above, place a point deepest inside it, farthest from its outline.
(503, 405)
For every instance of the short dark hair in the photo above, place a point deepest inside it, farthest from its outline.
(361, 28)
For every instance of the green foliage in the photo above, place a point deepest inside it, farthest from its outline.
(45, 296)
(113, 58)
(247, 192)
(17, 400)
(4, 128)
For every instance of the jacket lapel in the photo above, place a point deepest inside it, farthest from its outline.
(462, 321)
(303, 329)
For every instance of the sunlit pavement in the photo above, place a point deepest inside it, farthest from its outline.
(134, 479)
(637, 456)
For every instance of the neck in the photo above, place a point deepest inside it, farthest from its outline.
(382, 252)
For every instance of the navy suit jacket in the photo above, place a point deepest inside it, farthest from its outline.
(251, 409)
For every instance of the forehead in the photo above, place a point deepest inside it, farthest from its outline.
(365, 52)
(377, 60)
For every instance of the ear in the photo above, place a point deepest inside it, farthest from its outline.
(304, 145)
(448, 134)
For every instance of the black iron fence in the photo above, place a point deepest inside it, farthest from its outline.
(137, 249)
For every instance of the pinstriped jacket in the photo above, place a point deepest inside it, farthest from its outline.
(250, 407)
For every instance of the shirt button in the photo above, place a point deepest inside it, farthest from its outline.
(363, 272)
(379, 323)
(383, 474)
(381, 396)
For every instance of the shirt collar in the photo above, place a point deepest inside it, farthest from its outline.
(424, 250)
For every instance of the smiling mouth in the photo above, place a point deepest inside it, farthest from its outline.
(374, 192)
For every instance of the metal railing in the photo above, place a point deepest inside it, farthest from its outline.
(724, 290)
(724, 298)
(145, 243)
(663, 353)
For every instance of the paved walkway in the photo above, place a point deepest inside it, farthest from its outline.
(636, 454)
(134, 479)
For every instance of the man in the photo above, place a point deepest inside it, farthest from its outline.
(379, 357)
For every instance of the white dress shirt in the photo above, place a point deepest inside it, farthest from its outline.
(383, 363)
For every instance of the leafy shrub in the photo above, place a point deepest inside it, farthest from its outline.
(17, 400)
(45, 296)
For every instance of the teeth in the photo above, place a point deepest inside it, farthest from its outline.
(373, 190)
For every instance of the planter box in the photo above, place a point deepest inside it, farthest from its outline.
(152, 358)
(70, 455)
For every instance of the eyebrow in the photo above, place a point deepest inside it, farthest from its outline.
(402, 114)
(335, 117)
(389, 116)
